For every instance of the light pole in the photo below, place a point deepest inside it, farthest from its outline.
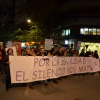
(31, 23)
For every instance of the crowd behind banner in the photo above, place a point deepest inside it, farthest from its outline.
(68, 52)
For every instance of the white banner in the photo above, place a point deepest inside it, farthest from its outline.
(9, 44)
(28, 69)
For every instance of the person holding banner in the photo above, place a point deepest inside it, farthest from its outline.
(28, 53)
(32, 51)
(96, 56)
(52, 53)
(42, 53)
(60, 53)
(82, 54)
(6, 64)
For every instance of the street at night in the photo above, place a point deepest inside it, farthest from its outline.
(49, 49)
(77, 87)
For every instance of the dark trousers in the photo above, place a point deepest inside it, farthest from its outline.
(8, 79)
(1, 68)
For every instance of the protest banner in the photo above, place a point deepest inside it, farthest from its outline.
(28, 69)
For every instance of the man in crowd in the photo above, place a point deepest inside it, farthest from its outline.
(42, 53)
(82, 54)
(59, 53)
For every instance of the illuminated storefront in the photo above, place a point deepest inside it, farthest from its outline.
(91, 47)
(90, 31)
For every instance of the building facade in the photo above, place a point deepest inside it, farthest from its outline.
(80, 18)
(81, 22)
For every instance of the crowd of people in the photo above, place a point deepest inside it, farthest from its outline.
(68, 52)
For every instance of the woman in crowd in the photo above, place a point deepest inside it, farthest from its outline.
(76, 53)
(28, 53)
(33, 52)
(67, 52)
(64, 53)
(52, 52)
(6, 63)
(23, 52)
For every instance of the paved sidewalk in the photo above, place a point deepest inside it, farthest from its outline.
(70, 88)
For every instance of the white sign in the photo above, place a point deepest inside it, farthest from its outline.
(28, 69)
(48, 44)
(9, 44)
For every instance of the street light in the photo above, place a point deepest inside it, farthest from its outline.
(31, 24)
(29, 21)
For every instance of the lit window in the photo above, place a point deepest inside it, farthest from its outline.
(82, 31)
(98, 31)
(90, 32)
(66, 41)
(86, 31)
(94, 31)
(67, 32)
(63, 33)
